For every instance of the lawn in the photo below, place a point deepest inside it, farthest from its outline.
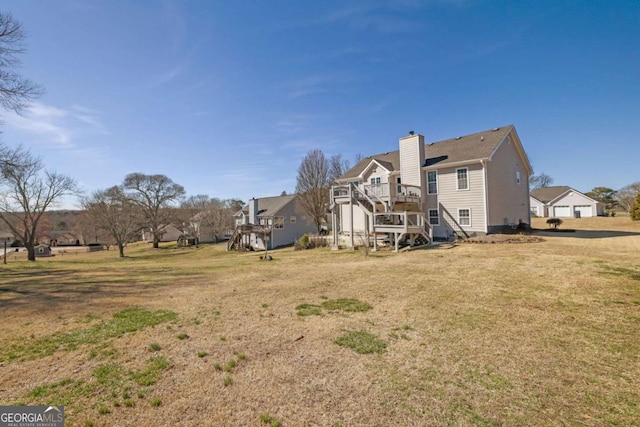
(544, 333)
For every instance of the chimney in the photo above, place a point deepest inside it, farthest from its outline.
(253, 211)
(412, 159)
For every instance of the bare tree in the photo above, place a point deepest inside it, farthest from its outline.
(627, 195)
(113, 212)
(209, 217)
(15, 90)
(153, 194)
(540, 181)
(88, 230)
(338, 166)
(312, 187)
(26, 192)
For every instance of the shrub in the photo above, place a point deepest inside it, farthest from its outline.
(302, 243)
(554, 222)
(635, 209)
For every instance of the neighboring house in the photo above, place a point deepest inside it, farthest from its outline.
(168, 233)
(269, 222)
(473, 184)
(60, 238)
(563, 202)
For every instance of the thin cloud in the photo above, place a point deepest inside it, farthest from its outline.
(48, 124)
(167, 76)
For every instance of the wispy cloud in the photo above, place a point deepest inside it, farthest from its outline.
(50, 125)
(319, 83)
(167, 76)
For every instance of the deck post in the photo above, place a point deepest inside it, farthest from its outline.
(351, 215)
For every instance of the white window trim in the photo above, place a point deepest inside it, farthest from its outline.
(436, 173)
(458, 181)
(437, 216)
(460, 222)
(518, 177)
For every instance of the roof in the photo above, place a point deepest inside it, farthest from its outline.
(547, 194)
(476, 146)
(269, 206)
(6, 235)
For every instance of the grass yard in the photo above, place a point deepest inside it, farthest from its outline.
(544, 333)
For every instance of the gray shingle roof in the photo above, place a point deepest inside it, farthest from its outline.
(463, 148)
(547, 194)
(269, 206)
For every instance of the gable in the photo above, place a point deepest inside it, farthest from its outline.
(573, 197)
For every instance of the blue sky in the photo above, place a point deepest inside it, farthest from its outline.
(227, 97)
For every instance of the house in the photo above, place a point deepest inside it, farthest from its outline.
(168, 233)
(563, 202)
(269, 222)
(469, 185)
(61, 238)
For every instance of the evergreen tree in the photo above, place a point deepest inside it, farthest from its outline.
(635, 210)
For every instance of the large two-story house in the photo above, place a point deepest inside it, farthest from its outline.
(468, 185)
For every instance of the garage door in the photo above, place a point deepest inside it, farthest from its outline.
(585, 211)
(562, 211)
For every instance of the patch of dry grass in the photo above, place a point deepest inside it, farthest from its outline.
(529, 334)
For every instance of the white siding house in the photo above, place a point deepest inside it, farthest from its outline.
(468, 185)
(563, 202)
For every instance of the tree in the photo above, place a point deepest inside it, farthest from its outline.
(312, 187)
(540, 181)
(338, 166)
(26, 192)
(627, 195)
(153, 194)
(635, 210)
(113, 212)
(15, 90)
(604, 195)
(85, 227)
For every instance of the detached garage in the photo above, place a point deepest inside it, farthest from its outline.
(564, 202)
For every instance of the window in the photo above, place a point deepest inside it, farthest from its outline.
(264, 221)
(399, 188)
(464, 217)
(463, 178)
(518, 177)
(434, 217)
(278, 222)
(375, 180)
(432, 182)
(292, 220)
